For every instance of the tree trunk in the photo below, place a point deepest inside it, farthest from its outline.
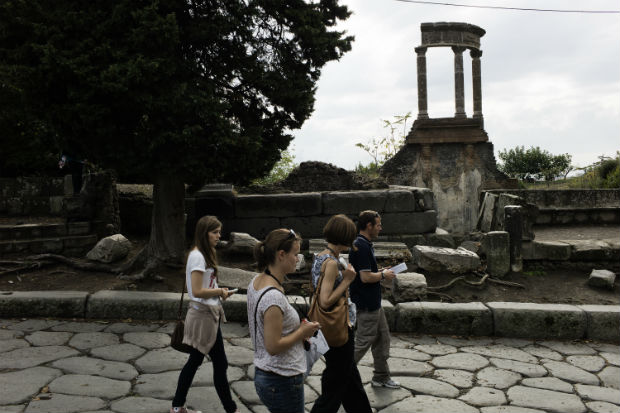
(167, 241)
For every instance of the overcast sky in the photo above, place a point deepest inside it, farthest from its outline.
(548, 79)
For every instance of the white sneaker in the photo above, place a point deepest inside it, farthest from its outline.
(183, 410)
(389, 383)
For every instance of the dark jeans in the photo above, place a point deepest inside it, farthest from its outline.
(341, 382)
(220, 380)
(280, 394)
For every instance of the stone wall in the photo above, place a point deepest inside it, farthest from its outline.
(32, 196)
(572, 206)
(405, 210)
(456, 173)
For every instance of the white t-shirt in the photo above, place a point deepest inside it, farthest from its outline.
(196, 262)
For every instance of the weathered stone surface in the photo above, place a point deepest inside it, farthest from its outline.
(278, 205)
(602, 279)
(588, 363)
(597, 393)
(497, 378)
(527, 369)
(603, 321)
(509, 409)
(77, 327)
(602, 407)
(32, 325)
(48, 338)
(238, 356)
(97, 367)
(538, 320)
(444, 318)
(458, 378)
(140, 405)
(66, 304)
(60, 403)
(20, 386)
(436, 349)
(121, 328)
(611, 358)
(548, 383)
(408, 367)
(206, 400)
(409, 222)
(110, 249)
(381, 397)
(408, 287)
(570, 373)
(590, 250)
(352, 202)
(501, 351)
(457, 261)
(496, 245)
(142, 305)
(83, 341)
(546, 250)
(545, 399)
(543, 352)
(513, 342)
(487, 212)
(462, 361)
(428, 404)
(610, 377)
(568, 348)
(156, 361)
(8, 345)
(149, 340)
(465, 341)
(513, 224)
(32, 356)
(84, 385)
(437, 239)
(234, 277)
(118, 352)
(431, 387)
(484, 396)
(406, 353)
(241, 243)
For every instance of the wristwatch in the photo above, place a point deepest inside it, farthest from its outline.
(382, 275)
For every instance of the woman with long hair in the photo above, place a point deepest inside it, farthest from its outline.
(202, 322)
(275, 327)
(341, 382)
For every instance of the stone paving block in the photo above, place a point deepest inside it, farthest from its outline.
(49, 338)
(611, 358)
(406, 353)
(545, 399)
(14, 409)
(163, 359)
(60, 403)
(140, 405)
(64, 304)
(148, 340)
(548, 383)
(568, 348)
(532, 320)
(32, 356)
(596, 393)
(431, 387)
(484, 396)
(8, 345)
(120, 328)
(83, 341)
(118, 352)
(444, 318)
(588, 363)
(462, 361)
(509, 409)
(429, 404)
(610, 376)
(603, 322)
(85, 385)
(278, 205)
(97, 367)
(33, 325)
(501, 351)
(543, 352)
(141, 305)
(527, 369)
(19, 386)
(399, 367)
(570, 373)
(79, 327)
(206, 400)
(497, 378)
(602, 407)
(436, 349)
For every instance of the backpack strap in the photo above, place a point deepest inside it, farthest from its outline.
(256, 309)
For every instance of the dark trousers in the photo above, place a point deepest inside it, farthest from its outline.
(220, 380)
(341, 382)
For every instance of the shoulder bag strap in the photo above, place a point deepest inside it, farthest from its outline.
(256, 309)
(181, 302)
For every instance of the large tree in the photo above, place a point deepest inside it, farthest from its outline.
(171, 92)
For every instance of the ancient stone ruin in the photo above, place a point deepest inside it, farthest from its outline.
(451, 156)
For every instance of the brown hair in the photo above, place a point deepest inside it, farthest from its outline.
(205, 225)
(340, 230)
(366, 217)
(277, 240)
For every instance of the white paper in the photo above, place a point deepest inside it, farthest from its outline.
(399, 268)
(321, 344)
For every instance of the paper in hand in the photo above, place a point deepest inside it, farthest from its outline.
(399, 268)
(320, 342)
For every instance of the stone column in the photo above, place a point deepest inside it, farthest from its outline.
(422, 95)
(476, 81)
(513, 224)
(459, 82)
(496, 245)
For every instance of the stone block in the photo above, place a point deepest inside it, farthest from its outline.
(437, 259)
(425, 198)
(66, 304)
(444, 318)
(603, 322)
(278, 205)
(545, 250)
(234, 277)
(139, 305)
(400, 200)
(409, 222)
(257, 227)
(41, 246)
(540, 321)
(602, 279)
(391, 313)
(413, 240)
(306, 226)
(110, 249)
(590, 250)
(409, 286)
(486, 217)
(236, 308)
(241, 243)
(496, 245)
(440, 240)
(56, 204)
(353, 202)
(80, 241)
(78, 228)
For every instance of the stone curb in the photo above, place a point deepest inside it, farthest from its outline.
(504, 319)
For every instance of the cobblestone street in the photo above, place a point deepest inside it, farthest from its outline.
(49, 366)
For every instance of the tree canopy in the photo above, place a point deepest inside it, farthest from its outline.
(533, 163)
(200, 89)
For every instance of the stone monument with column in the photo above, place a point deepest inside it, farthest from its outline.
(451, 156)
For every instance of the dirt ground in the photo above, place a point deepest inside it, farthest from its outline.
(542, 283)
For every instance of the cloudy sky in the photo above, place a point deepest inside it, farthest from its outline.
(548, 79)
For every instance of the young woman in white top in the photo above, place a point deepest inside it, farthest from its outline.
(202, 323)
(276, 331)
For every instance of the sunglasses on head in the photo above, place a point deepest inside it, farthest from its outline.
(291, 235)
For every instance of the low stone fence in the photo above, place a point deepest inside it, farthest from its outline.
(571, 206)
(33, 195)
(404, 210)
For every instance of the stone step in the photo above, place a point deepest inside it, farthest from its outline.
(67, 245)
(31, 231)
(383, 250)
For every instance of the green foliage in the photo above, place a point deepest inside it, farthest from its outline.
(383, 148)
(202, 90)
(280, 170)
(604, 173)
(534, 164)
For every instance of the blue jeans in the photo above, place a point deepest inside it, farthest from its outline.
(280, 394)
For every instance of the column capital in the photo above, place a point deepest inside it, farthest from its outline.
(475, 53)
(420, 49)
(458, 49)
